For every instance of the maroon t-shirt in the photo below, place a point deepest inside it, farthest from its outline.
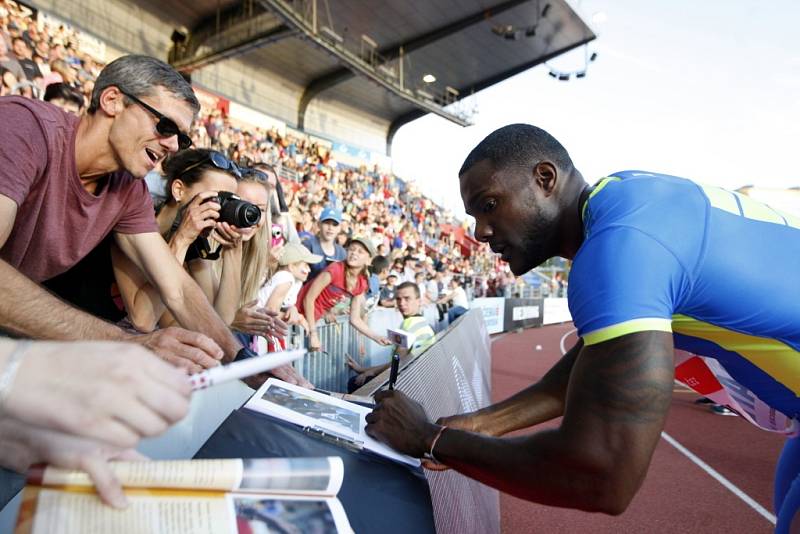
(58, 222)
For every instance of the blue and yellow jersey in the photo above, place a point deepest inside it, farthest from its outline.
(718, 269)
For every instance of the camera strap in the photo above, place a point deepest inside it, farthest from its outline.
(200, 249)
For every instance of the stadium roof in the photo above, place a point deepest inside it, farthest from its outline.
(374, 56)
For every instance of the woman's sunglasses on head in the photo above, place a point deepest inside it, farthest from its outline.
(165, 126)
(217, 160)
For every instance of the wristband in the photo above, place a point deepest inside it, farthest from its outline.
(10, 371)
(429, 455)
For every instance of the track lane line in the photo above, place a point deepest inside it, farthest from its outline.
(563, 339)
(719, 478)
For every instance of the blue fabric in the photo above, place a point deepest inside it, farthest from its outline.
(313, 244)
(787, 486)
(371, 483)
(455, 312)
(721, 268)
(374, 286)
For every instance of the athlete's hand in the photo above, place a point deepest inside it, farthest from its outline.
(401, 423)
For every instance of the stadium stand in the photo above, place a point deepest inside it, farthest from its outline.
(376, 203)
(317, 91)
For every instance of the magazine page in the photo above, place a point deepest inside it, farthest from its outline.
(301, 476)
(255, 514)
(53, 511)
(307, 408)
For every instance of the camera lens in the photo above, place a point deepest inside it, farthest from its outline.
(238, 212)
(249, 215)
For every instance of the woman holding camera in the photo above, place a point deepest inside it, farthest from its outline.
(196, 179)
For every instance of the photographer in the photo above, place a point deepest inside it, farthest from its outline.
(195, 180)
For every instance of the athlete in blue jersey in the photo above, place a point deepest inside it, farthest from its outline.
(671, 279)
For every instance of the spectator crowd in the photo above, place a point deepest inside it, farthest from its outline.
(320, 239)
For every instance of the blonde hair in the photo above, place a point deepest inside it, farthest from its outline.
(255, 253)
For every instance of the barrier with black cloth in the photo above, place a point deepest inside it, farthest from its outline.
(378, 495)
(522, 313)
(452, 376)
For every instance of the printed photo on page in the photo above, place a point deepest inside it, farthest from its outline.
(307, 408)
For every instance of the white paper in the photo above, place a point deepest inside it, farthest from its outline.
(305, 407)
(63, 512)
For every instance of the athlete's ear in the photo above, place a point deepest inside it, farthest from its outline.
(545, 175)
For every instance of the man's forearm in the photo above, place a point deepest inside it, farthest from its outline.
(29, 310)
(226, 301)
(536, 404)
(359, 324)
(546, 468)
(193, 311)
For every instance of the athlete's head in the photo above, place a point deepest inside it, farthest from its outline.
(517, 183)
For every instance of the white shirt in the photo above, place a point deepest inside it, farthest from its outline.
(460, 298)
(433, 289)
(279, 278)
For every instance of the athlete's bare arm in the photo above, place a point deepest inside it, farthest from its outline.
(617, 400)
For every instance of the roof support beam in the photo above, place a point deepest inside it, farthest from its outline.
(404, 119)
(297, 21)
(226, 34)
(392, 52)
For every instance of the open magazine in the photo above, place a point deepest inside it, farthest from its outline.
(192, 496)
(321, 415)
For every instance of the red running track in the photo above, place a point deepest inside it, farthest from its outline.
(677, 496)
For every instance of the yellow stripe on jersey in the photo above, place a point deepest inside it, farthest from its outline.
(775, 358)
(753, 209)
(597, 188)
(644, 324)
(720, 198)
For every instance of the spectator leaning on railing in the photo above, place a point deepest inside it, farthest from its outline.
(339, 280)
(67, 183)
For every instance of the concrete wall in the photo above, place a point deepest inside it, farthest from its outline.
(130, 28)
(338, 121)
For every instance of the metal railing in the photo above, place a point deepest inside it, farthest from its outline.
(327, 368)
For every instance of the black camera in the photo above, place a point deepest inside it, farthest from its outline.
(233, 210)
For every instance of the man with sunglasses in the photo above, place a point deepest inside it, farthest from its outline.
(67, 182)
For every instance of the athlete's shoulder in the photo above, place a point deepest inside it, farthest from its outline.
(641, 197)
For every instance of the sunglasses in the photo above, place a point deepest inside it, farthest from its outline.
(255, 174)
(165, 126)
(217, 160)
